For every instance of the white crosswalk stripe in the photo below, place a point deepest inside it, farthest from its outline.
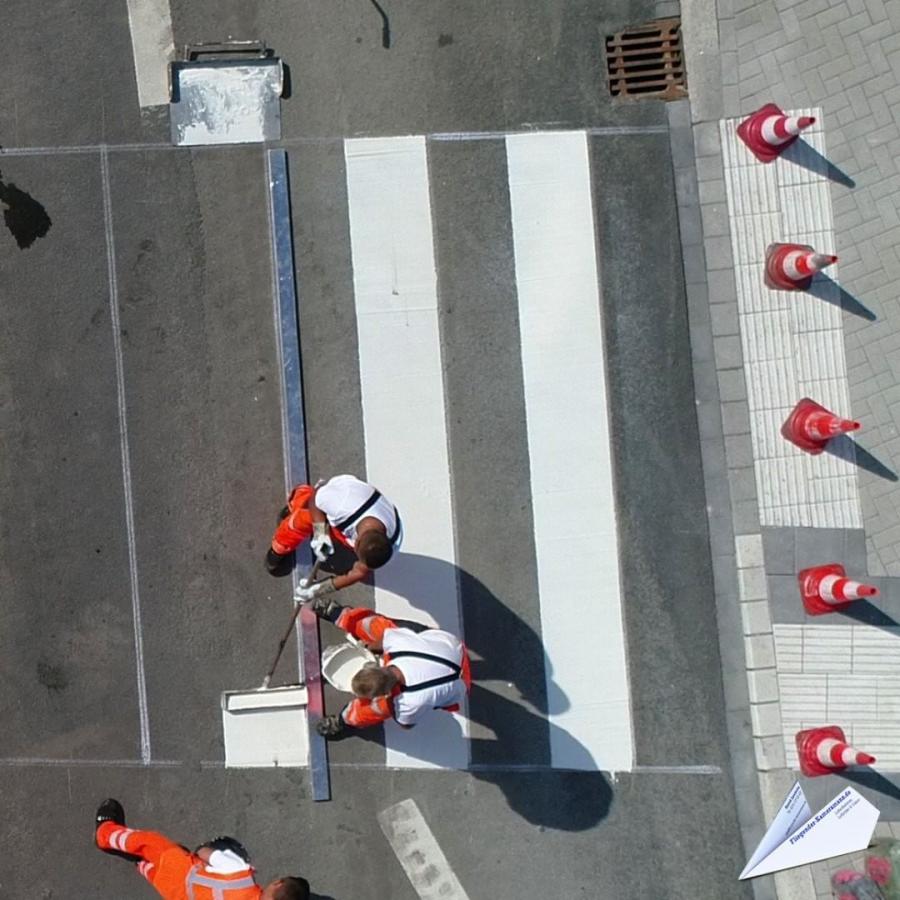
(403, 396)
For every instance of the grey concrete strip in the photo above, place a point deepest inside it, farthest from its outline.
(730, 633)
(294, 436)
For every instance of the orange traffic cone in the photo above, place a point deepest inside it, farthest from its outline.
(790, 267)
(823, 751)
(811, 426)
(826, 589)
(769, 131)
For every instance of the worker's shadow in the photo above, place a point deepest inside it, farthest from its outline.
(504, 647)
(510, 746)
(574, 798)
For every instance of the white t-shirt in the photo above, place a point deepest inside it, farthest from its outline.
(409, 705)
(342, 495)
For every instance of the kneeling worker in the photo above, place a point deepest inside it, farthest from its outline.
(342, 509)
(422, 669)
(218, 870)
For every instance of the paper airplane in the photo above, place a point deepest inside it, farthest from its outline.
(796, 837)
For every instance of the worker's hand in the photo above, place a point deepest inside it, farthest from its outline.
(321, 542)
(307, 592)
(331, 726)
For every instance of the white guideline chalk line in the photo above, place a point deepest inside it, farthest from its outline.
(153, 47)
(24, 762)
(564, 379)
(419, 853)
(144, 714)
(403, 405)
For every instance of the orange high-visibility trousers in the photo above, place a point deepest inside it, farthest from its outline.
(172, 870)
(364, 624)
(297, 525)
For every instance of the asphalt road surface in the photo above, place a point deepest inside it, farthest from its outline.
(141, 464)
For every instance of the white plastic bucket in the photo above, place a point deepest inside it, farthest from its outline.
(340, 662)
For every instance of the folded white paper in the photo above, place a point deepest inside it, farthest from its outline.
(796, 837)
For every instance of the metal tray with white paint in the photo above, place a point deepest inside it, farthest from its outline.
(226, 95)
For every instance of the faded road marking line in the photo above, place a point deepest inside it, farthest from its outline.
(419, 853)
(126, 459)
(38, 762)
(153, 45)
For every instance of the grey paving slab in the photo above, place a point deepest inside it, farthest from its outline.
(843, 59)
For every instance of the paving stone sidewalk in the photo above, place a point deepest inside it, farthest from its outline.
(844, 58)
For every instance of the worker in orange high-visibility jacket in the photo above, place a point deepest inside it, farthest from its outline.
(217, 870)
(342, 509)
(422, 669)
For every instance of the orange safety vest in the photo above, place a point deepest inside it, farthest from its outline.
(202, 885)
(182, 876)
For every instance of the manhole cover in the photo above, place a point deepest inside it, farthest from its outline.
(646, 61)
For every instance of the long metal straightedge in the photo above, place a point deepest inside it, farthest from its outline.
(296, 468)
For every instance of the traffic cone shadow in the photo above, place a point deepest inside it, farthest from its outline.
(873, 780)
(866, 613)
(844, 447)
(802, 154)
(827, 289)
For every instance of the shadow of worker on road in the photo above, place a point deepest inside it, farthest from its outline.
(26, 219)
(574, 798)
(512, 693)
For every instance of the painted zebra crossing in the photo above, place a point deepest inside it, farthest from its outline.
(540, 192)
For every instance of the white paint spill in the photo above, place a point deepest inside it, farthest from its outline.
(153, 46)
(419, 853)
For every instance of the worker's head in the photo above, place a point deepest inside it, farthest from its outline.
(287, 889)
(373, 681)
(372, 545)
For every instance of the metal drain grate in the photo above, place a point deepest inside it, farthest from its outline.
(646, 61)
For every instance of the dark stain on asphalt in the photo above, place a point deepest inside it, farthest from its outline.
(445, 40)
(26, 219)
(52, 677)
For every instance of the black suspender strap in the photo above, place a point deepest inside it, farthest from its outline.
(359, 513)
(396, 534)
(349, 520)
(434, 682)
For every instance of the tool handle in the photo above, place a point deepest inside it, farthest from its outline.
(296, 612)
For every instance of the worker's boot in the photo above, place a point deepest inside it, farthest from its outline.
(277, 564)
(112, 811)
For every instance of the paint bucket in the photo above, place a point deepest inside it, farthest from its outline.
(340, 662)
